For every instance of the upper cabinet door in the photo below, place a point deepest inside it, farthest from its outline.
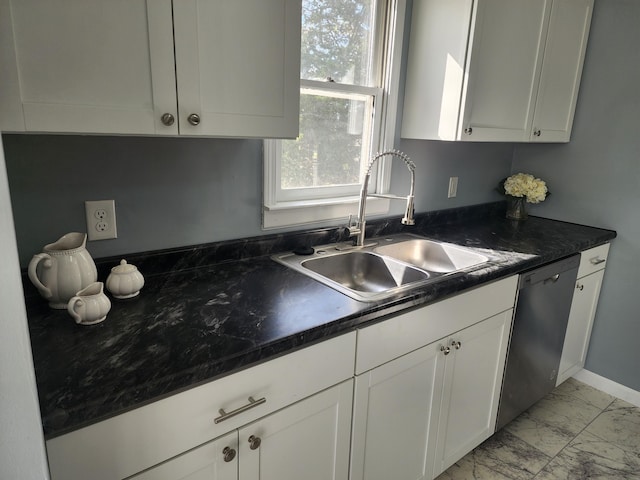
(505, 58)
(494, 70)
(87, 66)
(109, 66)
(238, 67)
(562, 70)
(436, 68)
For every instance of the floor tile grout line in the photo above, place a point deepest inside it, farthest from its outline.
(585, 396)
(574, 437)
(570, 394)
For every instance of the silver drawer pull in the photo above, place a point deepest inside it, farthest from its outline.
(226, 415)
(597, 261)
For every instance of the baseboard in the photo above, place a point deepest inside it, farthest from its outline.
(609, 386)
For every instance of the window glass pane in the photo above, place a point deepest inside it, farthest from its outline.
(337, 40)
(334, 139)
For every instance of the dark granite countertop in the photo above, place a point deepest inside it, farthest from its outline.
(211, 310)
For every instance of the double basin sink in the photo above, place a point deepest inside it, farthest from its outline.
(384, 267)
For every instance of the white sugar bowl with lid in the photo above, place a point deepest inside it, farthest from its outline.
(125, 281)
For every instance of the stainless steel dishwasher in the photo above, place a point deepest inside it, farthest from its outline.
(537, 336)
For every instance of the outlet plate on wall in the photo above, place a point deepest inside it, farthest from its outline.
(101, 219)
(453, 187)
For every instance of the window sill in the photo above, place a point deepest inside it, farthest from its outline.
(288, 214)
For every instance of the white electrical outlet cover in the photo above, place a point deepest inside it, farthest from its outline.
(453, 187)
(101, 219)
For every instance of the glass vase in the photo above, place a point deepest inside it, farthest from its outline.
(516, 208)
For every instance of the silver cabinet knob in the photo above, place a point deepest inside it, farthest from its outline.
(194, 119)
(254, 442)
(468, 130)
(456, 345)
(579, 286)
(445, 350)
(229, 454)
(537, 132)
(168, 119)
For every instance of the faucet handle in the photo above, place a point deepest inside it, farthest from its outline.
(353, 227)
(409, 212)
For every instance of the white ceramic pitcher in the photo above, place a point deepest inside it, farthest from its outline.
(90, 305)
(64, 268)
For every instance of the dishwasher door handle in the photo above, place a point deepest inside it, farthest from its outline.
(552, 279)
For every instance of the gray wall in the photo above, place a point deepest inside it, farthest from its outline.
(595, 179)
(174, 192)
(168, 191)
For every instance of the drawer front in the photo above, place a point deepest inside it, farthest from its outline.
(126, 444)
(384, 341)
(593, 260)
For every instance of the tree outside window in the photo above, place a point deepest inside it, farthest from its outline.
(336, 103)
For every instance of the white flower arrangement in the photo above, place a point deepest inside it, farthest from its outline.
(524, 185)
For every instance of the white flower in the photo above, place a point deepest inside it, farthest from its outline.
(525, 185)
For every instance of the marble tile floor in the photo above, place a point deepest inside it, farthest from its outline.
(576, 432)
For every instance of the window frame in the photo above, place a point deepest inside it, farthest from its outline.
(326, 209)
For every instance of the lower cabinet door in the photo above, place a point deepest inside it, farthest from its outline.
(216, 460)
(472, 384)
(395, 415)
(308, 440)
(583, 312)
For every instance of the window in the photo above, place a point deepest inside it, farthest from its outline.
(347, 112)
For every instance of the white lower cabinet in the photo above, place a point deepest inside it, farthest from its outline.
(471, 393)
(275, 401)
(426, 391)
(583, 311)
(417, 414)
(216, 460)
(309, 440)
(393, 432)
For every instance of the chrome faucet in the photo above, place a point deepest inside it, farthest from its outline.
(357, 229)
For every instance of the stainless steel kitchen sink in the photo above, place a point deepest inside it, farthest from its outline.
(432, 256)
(384, 267)
(365, 271)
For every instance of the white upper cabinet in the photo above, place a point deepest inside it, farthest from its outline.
(238, 66)
(145, 67)
(494, 70)
(504, 68)
(87, 66)
(561, 70)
